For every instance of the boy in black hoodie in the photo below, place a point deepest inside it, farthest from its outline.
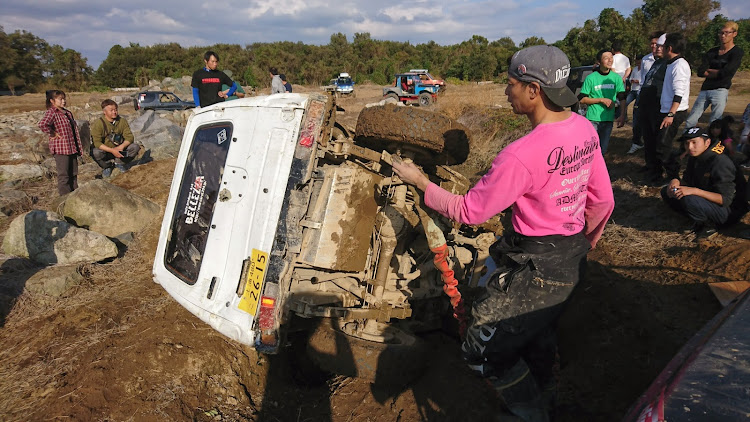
(708, 184)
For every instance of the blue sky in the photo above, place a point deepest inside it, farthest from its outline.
(92, 27)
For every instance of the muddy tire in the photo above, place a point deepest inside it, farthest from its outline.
(425, 99)
(436, 138)
(392, 96)
(394, 363)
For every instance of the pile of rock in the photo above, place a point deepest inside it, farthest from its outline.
(92, 224)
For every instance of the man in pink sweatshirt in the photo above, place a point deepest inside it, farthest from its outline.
(557, 184)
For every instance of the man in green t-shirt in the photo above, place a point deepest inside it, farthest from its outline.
(239, 93)
(601, 89)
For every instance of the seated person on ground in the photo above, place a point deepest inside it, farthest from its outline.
(720, 131)
(112, 141)
(707, 188)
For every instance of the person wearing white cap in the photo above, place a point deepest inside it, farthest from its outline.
(556, 181)
(649, 105)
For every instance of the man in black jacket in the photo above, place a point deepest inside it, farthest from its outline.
(718, 67)
(707, 188)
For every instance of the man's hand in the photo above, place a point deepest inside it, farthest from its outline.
(223, 94)
(666, 122)
(606, 102)
(674, 185)
(621, 120)
(683, 191)
(410, 173)
(117, 153)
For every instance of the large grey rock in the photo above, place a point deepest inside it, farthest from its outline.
(43, 237)
(53, 282)
(24, 171)
(108, 209)
(85, 131)
(142, 122)
(163, 143)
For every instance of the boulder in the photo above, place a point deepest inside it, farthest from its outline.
(17, 172)
(84, 130)
(164, 143)
(45, 238)
(53, 282)
(108, 209)
(142, 122)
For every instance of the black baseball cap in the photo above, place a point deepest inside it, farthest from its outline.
(549, 67)
(695, 132)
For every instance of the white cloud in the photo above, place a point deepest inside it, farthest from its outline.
(93, 27)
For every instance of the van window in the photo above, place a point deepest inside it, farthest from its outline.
(199, 190)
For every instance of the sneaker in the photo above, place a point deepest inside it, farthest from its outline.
(634, 148)
(106, 172)
(707, 232)
(121, 168)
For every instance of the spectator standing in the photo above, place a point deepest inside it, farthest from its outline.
(634, 85)
(708, 186)
(646, 62)
(510, 341)
(649, 105)
(718, 67)
(287, 85)
(207, 82)
(238, 93)
(621, 62)
(673, 107)
(277, 85)
(64, 140)
(601, 90)
(112, 140)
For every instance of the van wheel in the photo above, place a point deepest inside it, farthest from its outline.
(396, 361)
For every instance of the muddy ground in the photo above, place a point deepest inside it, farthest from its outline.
(118, 348)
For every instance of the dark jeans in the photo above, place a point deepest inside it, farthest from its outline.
(604, 130)
(660, 156)
(105, 159)
(700, 210)
(637, 132)
(67, 173)
(515, 316)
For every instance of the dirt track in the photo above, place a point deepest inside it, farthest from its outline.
(120, 349)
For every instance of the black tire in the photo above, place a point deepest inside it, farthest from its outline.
(395, 363)
(437, 138)
(425, 99)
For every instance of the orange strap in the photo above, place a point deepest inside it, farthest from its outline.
(450, 286)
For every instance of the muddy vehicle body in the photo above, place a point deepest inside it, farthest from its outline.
(278, 222)
(408, 88)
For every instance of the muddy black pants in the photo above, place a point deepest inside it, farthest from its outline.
(514, 319)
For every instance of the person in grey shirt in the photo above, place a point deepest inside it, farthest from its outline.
(277, 85)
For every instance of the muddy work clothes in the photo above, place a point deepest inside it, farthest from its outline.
(513, 321)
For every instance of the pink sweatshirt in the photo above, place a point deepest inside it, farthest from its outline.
(555, 178)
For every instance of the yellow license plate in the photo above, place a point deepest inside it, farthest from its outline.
(254, 281)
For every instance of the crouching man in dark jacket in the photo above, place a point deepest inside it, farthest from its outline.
(707, 188)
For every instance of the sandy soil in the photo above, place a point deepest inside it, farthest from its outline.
(119, 348)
